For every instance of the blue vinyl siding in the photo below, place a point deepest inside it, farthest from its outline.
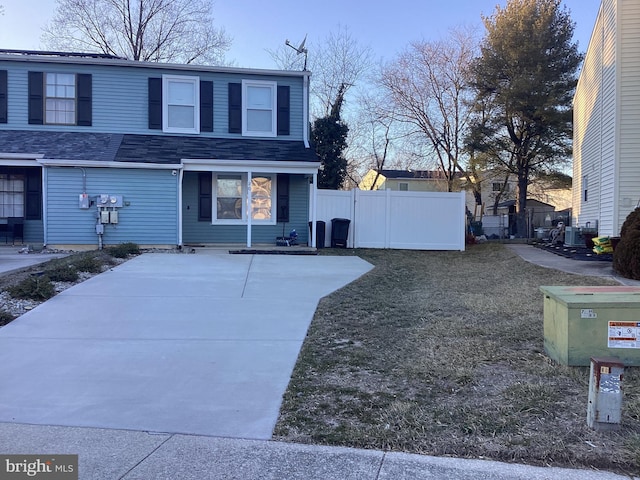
(196, 232)
(149, 216)
(33, 232)
(120, 98)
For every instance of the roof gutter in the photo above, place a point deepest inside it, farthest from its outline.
(48, 162)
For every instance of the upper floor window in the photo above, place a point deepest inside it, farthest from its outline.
(181, 101)
(60, 98)
(57, 98)
(403, 186)
(259, 114)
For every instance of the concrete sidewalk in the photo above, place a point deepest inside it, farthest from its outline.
(591, 268)
(129, 455)
(11, 259)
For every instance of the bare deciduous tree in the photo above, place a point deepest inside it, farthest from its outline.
(429, 90)
(338, 61)
(180, 31)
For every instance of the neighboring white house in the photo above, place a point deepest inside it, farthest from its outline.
(606, 138)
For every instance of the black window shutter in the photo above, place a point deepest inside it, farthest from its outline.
(33, 194)
(235, 108)
(3, 97)
(206, 106)
(36, 103)
(204, 196)
(85, 94)
(282, 191)
(155, 103)
(283, 110)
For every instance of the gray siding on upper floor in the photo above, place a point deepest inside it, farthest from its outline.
(120, 97)
(149, 216)
(204, 232)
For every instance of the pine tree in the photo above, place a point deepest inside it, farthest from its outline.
(526, 76)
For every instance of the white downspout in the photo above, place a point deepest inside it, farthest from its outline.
(249, 201)
(180, 179)
(305, 110)
(45, 228)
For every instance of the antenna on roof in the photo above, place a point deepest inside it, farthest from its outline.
(301, 49)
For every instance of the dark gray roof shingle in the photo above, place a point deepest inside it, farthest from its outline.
(61, 145)
(105, 147)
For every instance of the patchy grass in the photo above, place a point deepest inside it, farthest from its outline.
(441, 353)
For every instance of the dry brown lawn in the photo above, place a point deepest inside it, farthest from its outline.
(441, 353)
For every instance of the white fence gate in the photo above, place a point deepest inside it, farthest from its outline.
(392, 219)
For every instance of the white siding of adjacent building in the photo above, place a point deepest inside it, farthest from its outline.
(588, 130)
(607, 119)
(610, 87)
(628, 193)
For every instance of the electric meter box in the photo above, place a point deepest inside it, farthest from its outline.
(585, 322)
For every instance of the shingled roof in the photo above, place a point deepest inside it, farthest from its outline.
(162, 149)
(409, 174)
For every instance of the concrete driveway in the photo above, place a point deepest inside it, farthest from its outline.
(197, 344)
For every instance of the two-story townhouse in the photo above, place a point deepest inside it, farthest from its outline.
(98, 150)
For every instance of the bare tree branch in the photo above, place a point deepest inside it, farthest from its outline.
(177, 31)
(428, 86)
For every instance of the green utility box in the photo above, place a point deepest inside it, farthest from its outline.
(585, 322)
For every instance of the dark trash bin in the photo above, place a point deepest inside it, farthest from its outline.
(339, 232)
(321, 228)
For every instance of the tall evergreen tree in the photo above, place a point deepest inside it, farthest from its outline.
(526, 76)
(329, 137)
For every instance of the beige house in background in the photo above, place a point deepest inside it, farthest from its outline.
(405, 180)
(606, 137)
(492, 185)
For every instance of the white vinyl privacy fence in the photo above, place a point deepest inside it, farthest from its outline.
(392, 219)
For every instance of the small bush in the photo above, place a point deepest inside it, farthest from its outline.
(33, 288)
(62, 273)
(626, 256)
(88, 264)
(5, 317)
(123, 250)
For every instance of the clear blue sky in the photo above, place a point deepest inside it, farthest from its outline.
(255, 25)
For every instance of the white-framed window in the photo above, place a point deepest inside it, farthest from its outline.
(230, 197)
(11, 195)
(403, 186)
(259, 113)
(60, 98)
(180, 104)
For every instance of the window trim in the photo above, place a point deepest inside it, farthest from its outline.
(247, 199)
(195, 81)
(246, 84)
